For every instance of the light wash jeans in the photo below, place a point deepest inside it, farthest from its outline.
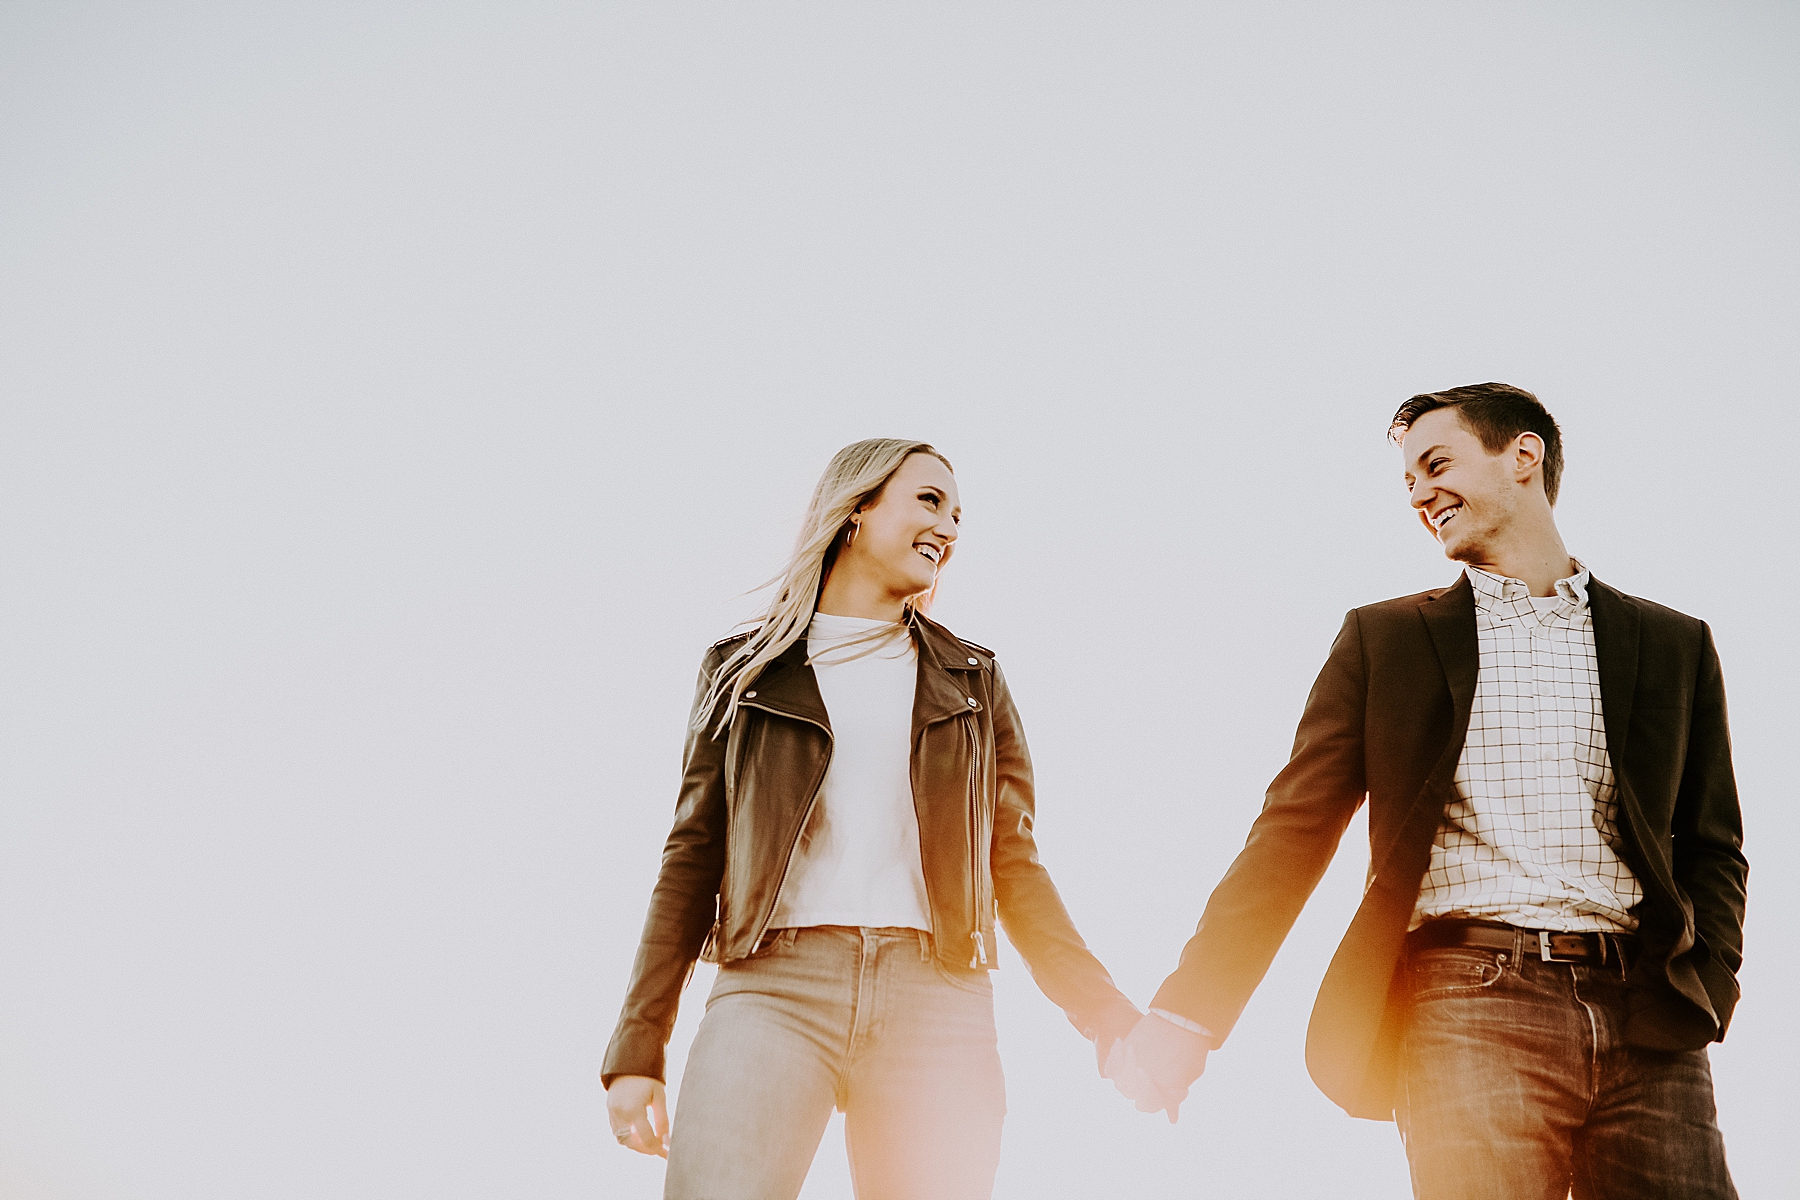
(863, 1019)
(1518, 1085)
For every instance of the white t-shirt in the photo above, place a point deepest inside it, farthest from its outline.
(857, 862)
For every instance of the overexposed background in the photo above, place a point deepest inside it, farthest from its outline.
(395, 400)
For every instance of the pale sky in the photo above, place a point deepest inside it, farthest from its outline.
(396, 400)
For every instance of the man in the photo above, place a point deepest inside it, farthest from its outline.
(1551, 928)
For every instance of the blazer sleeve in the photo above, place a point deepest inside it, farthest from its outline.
(683, 904)
(1036, 920)
(1304, 814)
(1708, 828)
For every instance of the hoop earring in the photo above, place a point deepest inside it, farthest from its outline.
(850, 538)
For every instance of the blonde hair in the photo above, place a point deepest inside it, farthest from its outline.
(855, 476)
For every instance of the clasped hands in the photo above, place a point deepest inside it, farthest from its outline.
(1154, 1065)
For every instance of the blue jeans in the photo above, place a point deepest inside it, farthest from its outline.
(1516, 1084)
(863, 1019)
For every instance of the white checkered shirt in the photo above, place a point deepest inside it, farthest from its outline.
(1530, 838)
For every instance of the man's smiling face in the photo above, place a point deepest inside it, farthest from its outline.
(1465, 496)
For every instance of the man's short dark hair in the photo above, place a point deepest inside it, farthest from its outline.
(1496, 413)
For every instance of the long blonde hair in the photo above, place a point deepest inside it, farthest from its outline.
(855, 476)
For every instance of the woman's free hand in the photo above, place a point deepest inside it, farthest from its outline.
(632, 1126)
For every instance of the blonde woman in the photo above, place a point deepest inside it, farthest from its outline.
(856, 805)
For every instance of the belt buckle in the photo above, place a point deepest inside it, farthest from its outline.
(1549, 955)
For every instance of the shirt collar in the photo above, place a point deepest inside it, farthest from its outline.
(1502, 593)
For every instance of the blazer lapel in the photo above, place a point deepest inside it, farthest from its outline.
(1616, 649)
(1450, 618)
(1616, 630)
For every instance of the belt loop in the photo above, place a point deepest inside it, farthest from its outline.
(924, 945)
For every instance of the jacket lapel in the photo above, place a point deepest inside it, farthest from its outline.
(1616, 629)
(788, 687)
(1450, 618)
(942, 691)
(1616, 649)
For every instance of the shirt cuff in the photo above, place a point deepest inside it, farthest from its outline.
(1181, 1022)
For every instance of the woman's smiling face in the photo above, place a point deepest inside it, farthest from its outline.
(905, 534)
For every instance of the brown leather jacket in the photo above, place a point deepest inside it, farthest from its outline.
(746, 795)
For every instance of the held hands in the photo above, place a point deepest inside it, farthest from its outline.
(633, 1127)
(1154, 1066)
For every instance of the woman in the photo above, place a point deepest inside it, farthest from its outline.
(856, 803)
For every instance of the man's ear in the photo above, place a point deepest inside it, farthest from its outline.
(1528, 455)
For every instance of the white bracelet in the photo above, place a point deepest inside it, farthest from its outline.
(1181, 1022)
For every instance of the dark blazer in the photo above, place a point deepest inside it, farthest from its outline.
(1386, 720)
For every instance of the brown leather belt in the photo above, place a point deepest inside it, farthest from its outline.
(1545, 944)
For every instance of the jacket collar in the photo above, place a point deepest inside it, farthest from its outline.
(946, 688)
(788, 686)
(1450, 617)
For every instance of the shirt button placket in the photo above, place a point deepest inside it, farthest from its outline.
(1535, 690)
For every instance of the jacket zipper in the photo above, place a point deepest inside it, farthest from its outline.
(972, 828)
(811, 799)
(733, 747)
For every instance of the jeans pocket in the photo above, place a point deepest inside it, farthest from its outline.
(1453, 971)
(976, 983)
(776, 943)
(757, 972)
(773, 944)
